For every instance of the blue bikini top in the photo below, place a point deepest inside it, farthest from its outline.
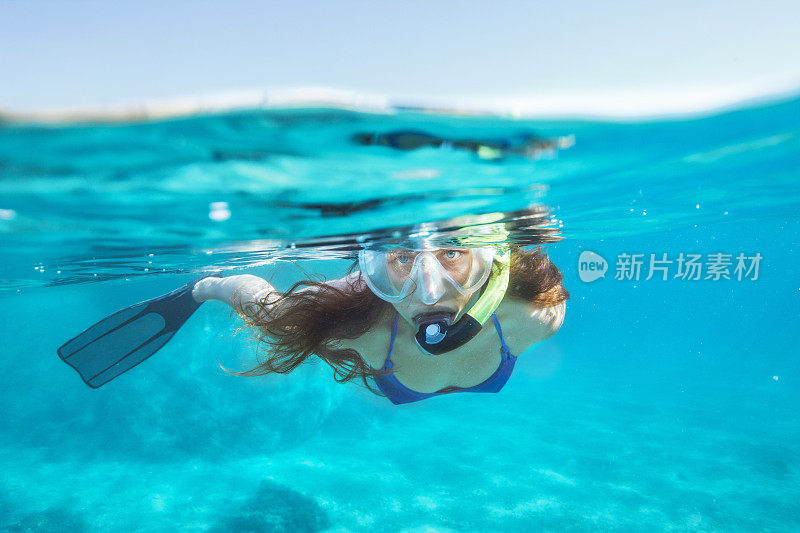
(399, 393)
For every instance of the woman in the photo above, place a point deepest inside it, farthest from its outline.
(366, 325)
(409, 318)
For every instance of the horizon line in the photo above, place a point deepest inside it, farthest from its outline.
(621, 105)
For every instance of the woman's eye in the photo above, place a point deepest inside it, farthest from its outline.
(452, 254)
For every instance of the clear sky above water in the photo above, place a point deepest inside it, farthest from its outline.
(85, 53)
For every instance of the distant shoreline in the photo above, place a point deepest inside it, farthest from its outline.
(619, 105)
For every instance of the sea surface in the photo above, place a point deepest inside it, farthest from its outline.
(661, 404)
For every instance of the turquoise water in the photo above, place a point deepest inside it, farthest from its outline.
(659, 405)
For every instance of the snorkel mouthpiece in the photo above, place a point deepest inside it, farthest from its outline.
(436, 338)
(433, 326)
(435, 332)
(436, 335)
(434, 329)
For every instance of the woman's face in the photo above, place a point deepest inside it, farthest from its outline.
(441, 297)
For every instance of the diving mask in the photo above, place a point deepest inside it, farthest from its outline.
(395, 273)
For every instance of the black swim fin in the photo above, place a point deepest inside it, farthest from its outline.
(123, 340)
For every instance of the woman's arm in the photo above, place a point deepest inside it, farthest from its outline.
(242, 291)
(239, 292)
(245, 286)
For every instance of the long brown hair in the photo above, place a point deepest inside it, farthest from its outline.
(295, 325)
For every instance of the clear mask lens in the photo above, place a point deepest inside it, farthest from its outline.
(396, 273)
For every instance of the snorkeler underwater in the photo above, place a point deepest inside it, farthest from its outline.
(408, 267)
(445, 284)
(294, 339)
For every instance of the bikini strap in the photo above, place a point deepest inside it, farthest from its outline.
(504, 351)
(388, 364)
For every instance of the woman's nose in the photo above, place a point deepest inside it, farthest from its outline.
(429, 283)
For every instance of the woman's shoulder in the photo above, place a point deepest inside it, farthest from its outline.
(525, 323)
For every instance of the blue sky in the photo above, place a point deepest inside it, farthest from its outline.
(81, 53)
